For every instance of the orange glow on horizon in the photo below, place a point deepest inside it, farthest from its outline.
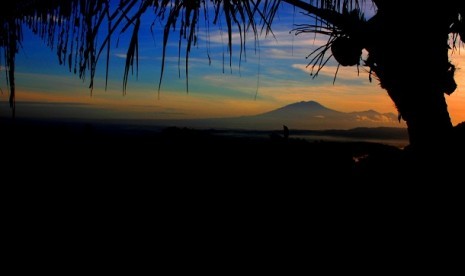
(144, 102)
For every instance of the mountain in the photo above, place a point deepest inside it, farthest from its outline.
(300, 115)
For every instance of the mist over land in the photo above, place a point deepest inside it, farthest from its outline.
(301, 115)
(307, 120)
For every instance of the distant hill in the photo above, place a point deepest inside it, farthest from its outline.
(307, 120)
(300, 115)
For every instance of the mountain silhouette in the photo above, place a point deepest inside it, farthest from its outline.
(300, 115)
(307, 109)
(313, 115)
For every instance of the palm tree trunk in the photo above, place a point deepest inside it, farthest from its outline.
(425, 111)
(417, 77)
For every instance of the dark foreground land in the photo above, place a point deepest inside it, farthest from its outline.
(106, 184)
(77, 152)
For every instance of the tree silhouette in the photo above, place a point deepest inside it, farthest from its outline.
(407, 42)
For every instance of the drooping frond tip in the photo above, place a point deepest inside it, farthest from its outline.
(80, 30)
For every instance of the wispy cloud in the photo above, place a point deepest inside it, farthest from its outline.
(287, 40)
(124, 56)
(281, 39)
(344, 73)
(375, 119)
(282, 54)
(120, 56)
(229, 82)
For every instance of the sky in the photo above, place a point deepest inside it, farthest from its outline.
(272, 75)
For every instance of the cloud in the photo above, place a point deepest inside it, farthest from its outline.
(286, 39)
(221, 37)
(375, 119)
(52, 103)
(282, 54)
(345, 73)
(229, 82)
(280, 39)
(124, 56)
(182, 59)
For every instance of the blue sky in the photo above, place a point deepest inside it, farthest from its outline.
(270, 76)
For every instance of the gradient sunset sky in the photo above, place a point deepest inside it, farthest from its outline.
(271, 75)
